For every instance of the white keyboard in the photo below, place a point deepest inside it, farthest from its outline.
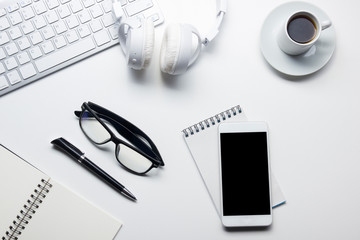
(38, 37)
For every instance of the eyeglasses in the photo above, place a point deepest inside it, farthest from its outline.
(139, 155)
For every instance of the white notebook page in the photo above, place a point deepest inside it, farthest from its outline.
(62, 213)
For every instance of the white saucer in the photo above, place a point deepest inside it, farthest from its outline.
(306, 63)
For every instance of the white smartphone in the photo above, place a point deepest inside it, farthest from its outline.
(245, 174)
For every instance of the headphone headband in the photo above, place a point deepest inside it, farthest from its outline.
(221, 6)
(123, 30)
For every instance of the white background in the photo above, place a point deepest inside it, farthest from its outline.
(314, 127)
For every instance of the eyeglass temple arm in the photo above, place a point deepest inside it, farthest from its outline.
(122, 122)
(130, 135)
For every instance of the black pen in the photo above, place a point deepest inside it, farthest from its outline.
(84, 161)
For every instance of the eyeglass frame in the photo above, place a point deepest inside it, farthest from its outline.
(127, 130)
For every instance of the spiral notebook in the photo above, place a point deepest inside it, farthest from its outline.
(202, 142)
(34, 206)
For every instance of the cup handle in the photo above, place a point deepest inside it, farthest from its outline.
(325, 24)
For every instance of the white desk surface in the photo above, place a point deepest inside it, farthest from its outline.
(314, 124)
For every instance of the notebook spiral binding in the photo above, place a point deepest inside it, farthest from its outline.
(29, 209)
(212, 121)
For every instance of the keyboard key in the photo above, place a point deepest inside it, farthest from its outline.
(101, 37)
(27, 27)
(96, 11)
(71, 36)
(60, 27)
(108, 20)
(2, 53)
(75, 6)
(4, 38)
(35, 52)
(84, 31)
(39, 7)
(27, 13)
(2, 12)
(15, 18)
(23, 57)
(12, 7)
(47, 47)
(88, 3)
(4, 23)
(138, 6)
(10, 63)
(64, 11)
(84, 16)
(11, 48)
(107, 5)
(39, 22)
(27, 71)
(15, 33)
(24, 43)
(3, 83)
(48, 32)
(123, 2)
(36, 38)
(52, 4)
(60, 42)
(13, 77)
(51, 16)
(2, 68)
(72, 22)
(95, 25)
(25, 3)
(64, 54)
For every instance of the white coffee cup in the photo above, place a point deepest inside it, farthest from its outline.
(296, 35)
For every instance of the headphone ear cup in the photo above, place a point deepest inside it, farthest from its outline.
(137, 42)
(170, 48)
(149, 35)
(179, 50)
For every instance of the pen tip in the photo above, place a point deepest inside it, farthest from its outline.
(127, 193)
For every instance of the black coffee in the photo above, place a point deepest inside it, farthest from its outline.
(301, 29)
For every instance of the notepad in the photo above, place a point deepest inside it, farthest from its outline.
(202, 142)
(35, 206)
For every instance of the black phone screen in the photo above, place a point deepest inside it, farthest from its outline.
(245, 173)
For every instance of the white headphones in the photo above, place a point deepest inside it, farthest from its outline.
(177, 53)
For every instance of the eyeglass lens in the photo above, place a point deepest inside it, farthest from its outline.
(132, 159)
(93, 128)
